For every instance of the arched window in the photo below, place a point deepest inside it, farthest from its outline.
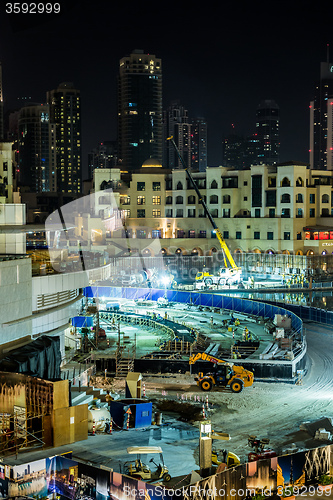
(285, 198)
(179, 186)
(299, 182)
(179, 200)
(213, 184)
(226, 198)
(299, 198)
(191, 200)
(285, 182)
(168, 200)
(214, 199)
(325, 198)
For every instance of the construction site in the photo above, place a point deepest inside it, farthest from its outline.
(172, 388)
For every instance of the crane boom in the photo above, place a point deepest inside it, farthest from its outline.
(226, 252)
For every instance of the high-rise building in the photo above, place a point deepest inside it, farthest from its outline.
(2, 132)
(37, 149)
(104, 156)
(65, 112)
(176, 124)
(267, 132)
(199, 144)
(321, 132)
(139, 109)
(233, 151)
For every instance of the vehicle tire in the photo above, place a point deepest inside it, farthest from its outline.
(206, 384)
(166, 477)
(208, 281)
(236, 385)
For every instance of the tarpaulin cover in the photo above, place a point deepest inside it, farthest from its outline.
(40, 358)
(83, 321)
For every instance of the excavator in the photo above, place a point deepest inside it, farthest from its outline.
(231, 272)
(224, 374)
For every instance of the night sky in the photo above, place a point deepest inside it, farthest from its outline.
(219, 59)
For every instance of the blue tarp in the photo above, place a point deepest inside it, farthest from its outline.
(82, 321)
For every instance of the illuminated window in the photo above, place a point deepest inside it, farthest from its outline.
(141, 200)
(156, 200)
(156, 213)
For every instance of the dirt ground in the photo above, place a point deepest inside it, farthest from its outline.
(267, 410)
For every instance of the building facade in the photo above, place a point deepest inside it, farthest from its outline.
(139, 109)
(65, 113)
(321, 112)
(285, 208)
(267, 132)
(199, 156)
(104, 156)
(37, 149)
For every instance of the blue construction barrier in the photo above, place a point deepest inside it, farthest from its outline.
(241, 305)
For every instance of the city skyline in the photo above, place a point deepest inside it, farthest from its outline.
(221, 69)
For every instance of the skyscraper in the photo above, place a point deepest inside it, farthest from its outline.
(267, 132)
(199, 144)
(321, 109)
(176, 124)
(2, 132)
(65, 112)
(37, 149)
(139, 109)
(104, 156)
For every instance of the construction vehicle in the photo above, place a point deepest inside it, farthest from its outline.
(231, 272)
(260, 451)
(139, 470)
(224, 374)
(224, 457)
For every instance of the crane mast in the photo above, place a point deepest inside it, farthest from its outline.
(227, 257)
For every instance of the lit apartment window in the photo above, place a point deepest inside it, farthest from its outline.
(141, 200)
(156, 200)
(156, 213)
